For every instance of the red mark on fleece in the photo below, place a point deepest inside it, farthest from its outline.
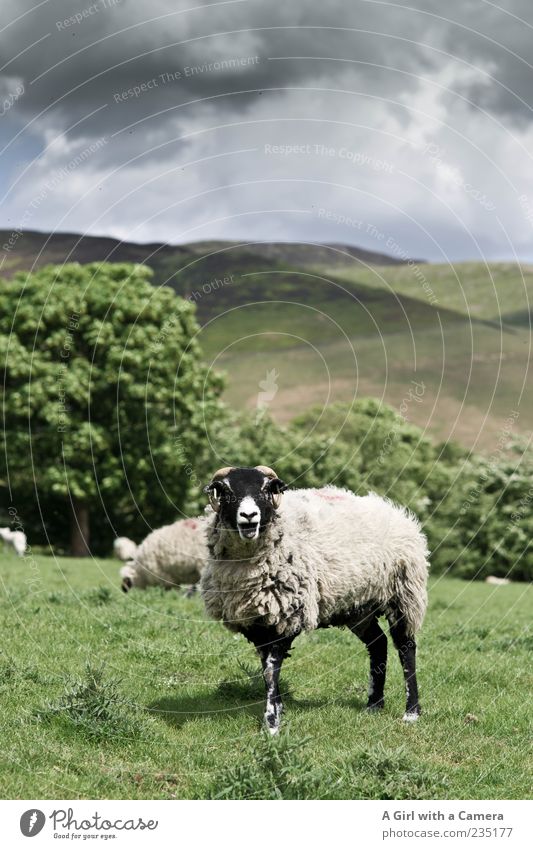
(327, 496)
(190, 523)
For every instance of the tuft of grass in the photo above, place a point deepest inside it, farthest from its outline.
(55, 598)
(515, 643)
(282, 768)
(92, 704)
(8, 668)
(99, 596)
(249, 683)
(383, 773)
(271, 768)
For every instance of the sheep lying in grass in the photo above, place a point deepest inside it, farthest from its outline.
(317, 557)
(168, 557)
(124, 548)
(497, 582)
(15, 539)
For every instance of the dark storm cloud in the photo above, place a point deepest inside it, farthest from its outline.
(116, 45)
(161, 49)
(229, 55)
(499, 39)
(167, 83)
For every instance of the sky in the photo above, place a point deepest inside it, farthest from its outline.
(402, 128)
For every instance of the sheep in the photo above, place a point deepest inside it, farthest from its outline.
(172, 555)
(279, 566)
(16, 539)
(124, 548)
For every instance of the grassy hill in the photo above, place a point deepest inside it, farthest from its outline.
(324, 323)
(33, 249)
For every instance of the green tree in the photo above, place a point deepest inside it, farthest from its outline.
(496, 516)
(105, 396)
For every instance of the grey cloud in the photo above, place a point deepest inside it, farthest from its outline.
(377, 78)
(94, 60)
(121, 46)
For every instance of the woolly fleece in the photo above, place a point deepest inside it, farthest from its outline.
(326, 553)
(172, 555)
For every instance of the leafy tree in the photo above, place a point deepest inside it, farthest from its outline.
(104, 398)
(496, 516)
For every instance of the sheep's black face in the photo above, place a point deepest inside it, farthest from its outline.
(246, 499)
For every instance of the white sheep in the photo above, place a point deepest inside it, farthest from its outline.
(124, 548)
(169, 556)
(317, 557)
(15, 539)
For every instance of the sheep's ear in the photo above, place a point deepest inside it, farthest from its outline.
(276, 487)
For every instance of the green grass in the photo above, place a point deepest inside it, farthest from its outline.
(496, 290)
(138, 696)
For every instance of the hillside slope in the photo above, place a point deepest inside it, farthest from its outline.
(300, 324)
(33, 249)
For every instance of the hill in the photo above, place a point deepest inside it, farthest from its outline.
(33, 249)
(300, 324)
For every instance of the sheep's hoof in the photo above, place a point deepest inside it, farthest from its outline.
(412, 716)
(374, 707)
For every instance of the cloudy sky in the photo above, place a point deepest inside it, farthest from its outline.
(366, 122)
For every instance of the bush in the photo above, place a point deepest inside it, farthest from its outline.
(475, 511)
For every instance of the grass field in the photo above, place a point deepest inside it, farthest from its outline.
(496, 291)
(112, 696)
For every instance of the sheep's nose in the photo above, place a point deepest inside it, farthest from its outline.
(248, 516)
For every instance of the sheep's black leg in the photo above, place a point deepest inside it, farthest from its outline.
(272, 657)
(406, 647)
(272, 654)
(375, 640)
